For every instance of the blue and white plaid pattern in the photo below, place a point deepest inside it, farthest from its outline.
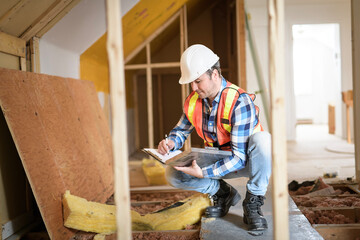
(243, 121)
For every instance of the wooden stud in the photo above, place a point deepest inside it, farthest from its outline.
(183, 45)
(23, 64)
(152, 65)
(355, 20)
(241, 44)
(152, 37)
(44, 19)
(7, 16)
(57, 18)
(35, 55)
(12, 45)
(136, 112)
(160, 104)
(149, 98)
(278, 130)
(119, 130)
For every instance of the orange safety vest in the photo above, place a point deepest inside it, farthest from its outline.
(229, 96)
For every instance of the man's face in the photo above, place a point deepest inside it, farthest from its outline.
(205, 86)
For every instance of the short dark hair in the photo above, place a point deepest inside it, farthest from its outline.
(215, 66)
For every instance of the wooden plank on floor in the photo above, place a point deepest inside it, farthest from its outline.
(62, 138)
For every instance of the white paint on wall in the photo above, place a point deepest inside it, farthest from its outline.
(303, 12)
(62, 45)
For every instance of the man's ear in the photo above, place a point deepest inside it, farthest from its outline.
(217, 75)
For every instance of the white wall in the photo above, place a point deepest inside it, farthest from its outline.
(62, 45)
(303, 12)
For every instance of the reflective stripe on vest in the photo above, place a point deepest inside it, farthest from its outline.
(193, 111)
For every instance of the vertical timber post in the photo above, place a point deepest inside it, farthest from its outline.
(278, 130)
(355, 25)
(149, 94)
(184, 45)
(241, 43)
(118, 104)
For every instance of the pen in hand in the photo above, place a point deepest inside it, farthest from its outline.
(166, 142)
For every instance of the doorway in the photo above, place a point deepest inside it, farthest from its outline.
(317, 75)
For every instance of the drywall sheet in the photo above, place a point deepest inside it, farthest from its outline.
(62, 138)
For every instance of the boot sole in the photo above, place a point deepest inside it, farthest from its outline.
(255, 227)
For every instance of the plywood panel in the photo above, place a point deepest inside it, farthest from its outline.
(62, 138)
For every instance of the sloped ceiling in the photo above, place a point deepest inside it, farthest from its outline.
(28, 18)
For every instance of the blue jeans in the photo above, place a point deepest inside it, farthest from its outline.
(258, 169)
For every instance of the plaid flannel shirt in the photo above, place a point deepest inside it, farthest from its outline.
(243, 121)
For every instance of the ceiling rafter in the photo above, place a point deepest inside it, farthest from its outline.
(41, 22)
(7, 16)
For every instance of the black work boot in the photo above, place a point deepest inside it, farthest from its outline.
(225, 197)
(253, 215)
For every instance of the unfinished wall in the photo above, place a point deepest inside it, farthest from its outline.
(14, 197)
(303, 12)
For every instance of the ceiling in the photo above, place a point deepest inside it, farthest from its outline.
(32, 18)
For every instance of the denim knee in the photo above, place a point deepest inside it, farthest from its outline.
(262, 142)
(174, 178)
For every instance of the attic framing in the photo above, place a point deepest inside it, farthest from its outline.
(181, 15)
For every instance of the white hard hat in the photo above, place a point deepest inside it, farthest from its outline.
(195, 61)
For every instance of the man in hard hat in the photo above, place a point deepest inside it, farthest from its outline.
(225, 117)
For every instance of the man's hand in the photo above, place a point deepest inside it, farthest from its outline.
(193, 170)
(165, 146)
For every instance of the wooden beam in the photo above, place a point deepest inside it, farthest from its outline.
(355, 19)
(118, 104)
(183, 46)
(160, 104)
(151, 37)
(149, 98)
(57, 18)
(12, 45)
(45, 18)
(136, 112)
(5, 18)
(152, 65)
(35, 55)
(23, 64)
(241, 44)
(278, 130)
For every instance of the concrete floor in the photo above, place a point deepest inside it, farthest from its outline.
(316, 152)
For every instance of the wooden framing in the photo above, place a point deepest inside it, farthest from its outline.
(277, 87)
(35, 55)
(7, 16)
(57, 18)
(149, 66)
(241, 44)
(185, 91)
(119, 130)
(160, 105)
(136, 113)
(12, 45)
(149, 96)
(56, 8)
(23, 64)
(152, 37)
(355, 20)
